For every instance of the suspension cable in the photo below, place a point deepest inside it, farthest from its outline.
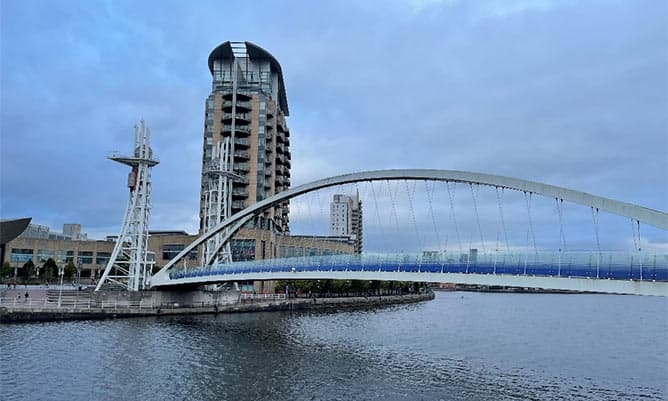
(431, 212)
(380, 223)
(533, 236)
(477, 217)
(410, 205)
(499, 199)
(639, 248)
(396, 216)
(451, 196)
(594, 216)
(562, 236)
(322, 213)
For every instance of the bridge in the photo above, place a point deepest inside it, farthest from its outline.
(515, 257)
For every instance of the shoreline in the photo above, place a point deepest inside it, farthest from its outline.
(10, 314)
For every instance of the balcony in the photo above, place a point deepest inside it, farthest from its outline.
(241, 142)
(241, 167)
(280, 180)
(280, 138)
(238, 204)
(280, 125)
(240, 106)
(241, 95)
(239, 193)
(243, 118)
(268, 136)
(237, 128)
(241, 154)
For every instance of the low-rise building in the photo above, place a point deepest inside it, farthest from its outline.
(92, 256)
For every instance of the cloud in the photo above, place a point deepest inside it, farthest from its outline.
(573, 94)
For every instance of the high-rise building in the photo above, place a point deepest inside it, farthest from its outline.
(246, 141)
(345, 218)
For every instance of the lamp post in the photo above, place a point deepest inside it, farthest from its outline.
(61, 272)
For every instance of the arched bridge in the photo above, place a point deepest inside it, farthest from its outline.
(631, 272)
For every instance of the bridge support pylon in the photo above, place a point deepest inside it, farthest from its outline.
(129, 266)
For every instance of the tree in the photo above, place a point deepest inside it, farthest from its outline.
(5, 270)
(70, 269)
(28, 269)
(50, 269)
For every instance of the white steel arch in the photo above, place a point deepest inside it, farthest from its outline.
(638, 213)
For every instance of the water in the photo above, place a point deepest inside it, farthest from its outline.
(460, 346)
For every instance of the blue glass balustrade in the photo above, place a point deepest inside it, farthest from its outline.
(604, 265)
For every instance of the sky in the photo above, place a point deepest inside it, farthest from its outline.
(570, 93)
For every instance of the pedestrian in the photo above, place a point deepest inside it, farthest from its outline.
(26, 295)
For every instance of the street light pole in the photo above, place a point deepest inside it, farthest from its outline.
(61, 271)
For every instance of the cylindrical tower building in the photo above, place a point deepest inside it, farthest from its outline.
(246, 154)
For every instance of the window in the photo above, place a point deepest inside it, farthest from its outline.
(242, 249)
(43, 255)
(21, 255)
(85, 258)
(102, 258)
(169, 251)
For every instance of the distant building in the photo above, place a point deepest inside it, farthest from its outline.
(345, 219)
(70, 232)
(74, 232)
(91, 256)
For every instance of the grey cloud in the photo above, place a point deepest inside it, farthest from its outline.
(567, 93)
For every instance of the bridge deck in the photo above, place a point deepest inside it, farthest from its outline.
(619, 270)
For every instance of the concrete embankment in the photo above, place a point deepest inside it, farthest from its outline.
(112, 310)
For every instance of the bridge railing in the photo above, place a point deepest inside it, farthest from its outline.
(603, 265)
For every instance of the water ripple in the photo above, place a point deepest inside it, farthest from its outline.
(475, 347)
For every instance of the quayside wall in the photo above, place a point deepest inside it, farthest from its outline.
(114, 305)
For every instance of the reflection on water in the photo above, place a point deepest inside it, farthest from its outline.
(460, 346)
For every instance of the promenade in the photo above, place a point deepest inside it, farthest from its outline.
(50, 305)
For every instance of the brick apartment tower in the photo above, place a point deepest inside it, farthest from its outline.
(246, 154)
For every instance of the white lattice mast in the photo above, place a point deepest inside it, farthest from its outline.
(129, 266)
(217, 207)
